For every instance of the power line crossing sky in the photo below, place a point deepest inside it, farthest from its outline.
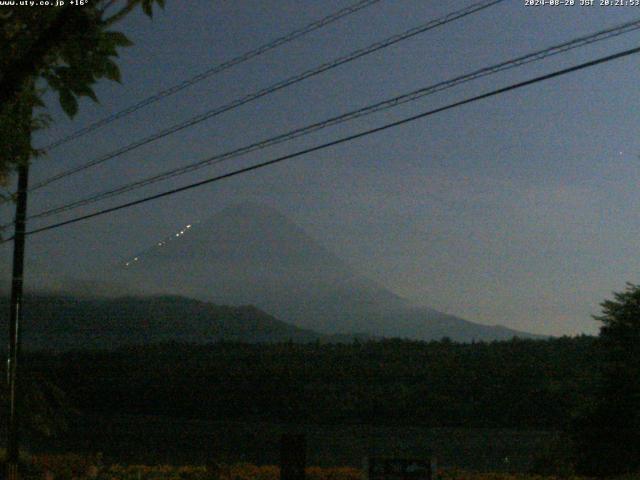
(518, 211)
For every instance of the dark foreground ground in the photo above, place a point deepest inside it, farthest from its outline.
(155, 440)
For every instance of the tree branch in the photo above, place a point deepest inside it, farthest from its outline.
(122, 13)
(107, 6)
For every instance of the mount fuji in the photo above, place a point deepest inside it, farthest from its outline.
(251, 254)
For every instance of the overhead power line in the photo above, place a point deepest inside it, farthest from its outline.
(274, 88)
(215, 70)
(339, 141)
(352, 115)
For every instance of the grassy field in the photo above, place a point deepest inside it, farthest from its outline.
(75, 467)
(160, 440)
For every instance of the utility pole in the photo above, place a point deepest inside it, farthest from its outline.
(15, 319)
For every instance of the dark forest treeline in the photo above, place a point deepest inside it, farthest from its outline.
(516, 384)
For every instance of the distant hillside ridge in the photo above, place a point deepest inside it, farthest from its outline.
(63, 322)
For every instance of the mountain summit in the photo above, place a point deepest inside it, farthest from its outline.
(252, 254)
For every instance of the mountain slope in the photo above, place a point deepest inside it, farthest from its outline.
(64, 322)
(252, 254)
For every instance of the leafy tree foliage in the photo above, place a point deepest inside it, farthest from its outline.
(609, 432)
(518, 384)
(515, 384)
(67, 50)
(48, 409)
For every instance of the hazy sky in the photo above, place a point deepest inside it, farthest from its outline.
(519, 210)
